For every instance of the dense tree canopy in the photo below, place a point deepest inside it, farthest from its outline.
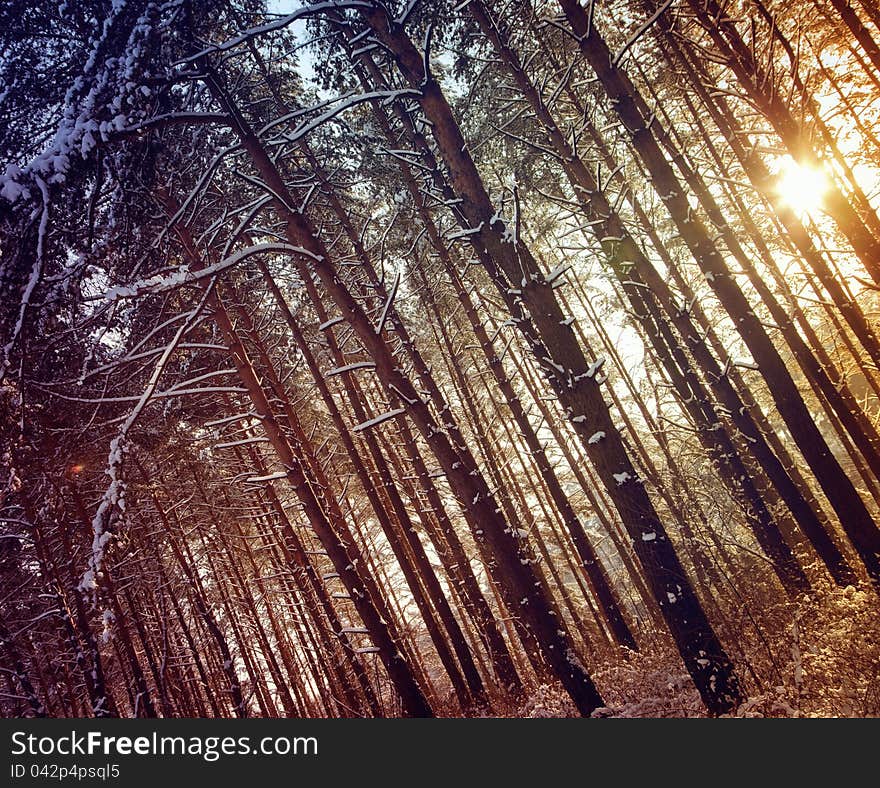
(379, 358)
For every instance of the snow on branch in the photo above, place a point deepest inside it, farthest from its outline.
(230, 419)
(36, 272)
(173, 119)
(557, 272)
(347, 101)
(242, 442)
(270, 477)
(380, 419)
(183, 275)
(380, 326)
(615, 61)
(277, 24)
(113, 499)
(102, 88)
(350, 368)
(404, 15)
(328, 324)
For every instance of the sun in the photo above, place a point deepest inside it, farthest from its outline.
(801, 187)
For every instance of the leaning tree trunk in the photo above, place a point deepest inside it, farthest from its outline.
(527, 291)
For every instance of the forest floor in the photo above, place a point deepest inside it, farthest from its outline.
(819, 657)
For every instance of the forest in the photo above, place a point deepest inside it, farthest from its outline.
(418, 358)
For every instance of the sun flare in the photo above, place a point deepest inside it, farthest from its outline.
(802, 188)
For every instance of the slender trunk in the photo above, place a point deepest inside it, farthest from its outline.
(335, 538)
(479, 505)
(838, 488)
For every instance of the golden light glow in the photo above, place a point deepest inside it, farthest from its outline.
(801, 188)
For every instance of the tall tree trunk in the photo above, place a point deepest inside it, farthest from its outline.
(854, 516)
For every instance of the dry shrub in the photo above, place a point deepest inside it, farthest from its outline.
(652, 683)
(548, 701)
(836, 655)
(825, 663)
(831, 655)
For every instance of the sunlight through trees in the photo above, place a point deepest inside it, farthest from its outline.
(403, 358)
